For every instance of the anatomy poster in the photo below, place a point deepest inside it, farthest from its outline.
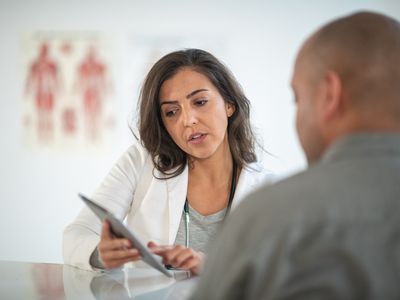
(67, 90)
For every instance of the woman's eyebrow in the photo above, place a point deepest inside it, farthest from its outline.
(195, 92)
(167, 102)
(191, 94)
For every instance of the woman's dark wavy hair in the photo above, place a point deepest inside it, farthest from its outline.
(167, 157)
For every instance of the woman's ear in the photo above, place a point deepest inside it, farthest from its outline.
(230, 109)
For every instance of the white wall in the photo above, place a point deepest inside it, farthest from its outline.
(38, 187)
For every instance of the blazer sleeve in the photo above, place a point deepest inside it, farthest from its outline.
(115, 193)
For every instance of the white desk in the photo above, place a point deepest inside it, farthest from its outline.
(52, 281)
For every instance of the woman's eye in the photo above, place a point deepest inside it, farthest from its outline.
(201, 102)
(170, 113)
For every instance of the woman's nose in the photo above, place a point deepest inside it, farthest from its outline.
(189, 117)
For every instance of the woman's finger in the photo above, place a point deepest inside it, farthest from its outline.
(161, 250)
(116, 258)
(106, 231)
(116, 244)
(152, 244)
(183, 257)
(120, 254)
(195, 264)
(169, 255)
(111, 264)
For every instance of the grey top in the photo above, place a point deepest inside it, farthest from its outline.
(330, 232)
(201, 228)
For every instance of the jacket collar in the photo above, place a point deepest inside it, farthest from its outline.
(176, 191)
(362, 145)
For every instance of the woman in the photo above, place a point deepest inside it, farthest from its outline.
(194, 160)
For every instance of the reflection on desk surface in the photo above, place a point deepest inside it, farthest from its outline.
(20, 280)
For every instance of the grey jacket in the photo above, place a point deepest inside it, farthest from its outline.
(330, 232)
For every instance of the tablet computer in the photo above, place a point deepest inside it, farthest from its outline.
(120, 230)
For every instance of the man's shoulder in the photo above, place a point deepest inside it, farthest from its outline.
(335, 190)
(285, 188)
(287, 198)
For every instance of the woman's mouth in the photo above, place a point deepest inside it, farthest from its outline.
(197, 138)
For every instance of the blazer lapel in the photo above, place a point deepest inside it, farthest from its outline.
(249, 180)
(176, 193)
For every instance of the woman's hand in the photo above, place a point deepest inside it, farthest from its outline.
(179, 257)
(114, 252)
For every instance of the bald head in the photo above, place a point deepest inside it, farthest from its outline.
(364, 50)
(346, 80)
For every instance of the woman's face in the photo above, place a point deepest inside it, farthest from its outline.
(195, 114)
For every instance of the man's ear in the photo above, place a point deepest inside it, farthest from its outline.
(332, 105)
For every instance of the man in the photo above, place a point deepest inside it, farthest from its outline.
(333, 231)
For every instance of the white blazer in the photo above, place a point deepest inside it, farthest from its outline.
(151, 207)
